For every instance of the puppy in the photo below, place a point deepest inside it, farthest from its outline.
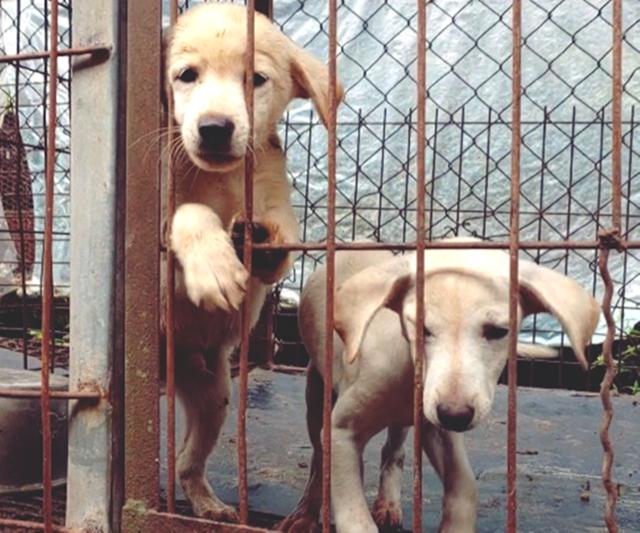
(466, 330)
(205, 73)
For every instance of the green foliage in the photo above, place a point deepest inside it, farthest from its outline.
(627, 378)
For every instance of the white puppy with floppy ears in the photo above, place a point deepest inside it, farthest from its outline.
(467, 333)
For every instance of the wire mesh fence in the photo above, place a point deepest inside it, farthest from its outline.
(566, 150)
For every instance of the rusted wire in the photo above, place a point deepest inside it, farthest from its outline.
(243, 489)
(47, 268)
(170, 305)
(330, 260)
(418, 384)
(516, 91)
(605, 392)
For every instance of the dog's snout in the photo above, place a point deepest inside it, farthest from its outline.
(215, 133)
(455, 418)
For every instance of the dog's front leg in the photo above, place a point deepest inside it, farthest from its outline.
(213, 275)
(347, 493)
(387, 509)
(447, 454)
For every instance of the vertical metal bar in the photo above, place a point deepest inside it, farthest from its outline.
(513, 264)
(142, 272)
(246, 308)
(603, 258)
(47, 267)
(487, 171)
(616, 146)
(169, 310)
(331, 251)
(93, 455)
(407, 175)
(434, 163)
(421, 58)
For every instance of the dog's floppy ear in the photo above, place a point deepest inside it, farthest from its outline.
(544, 291)
(359, 298)
(311, 80)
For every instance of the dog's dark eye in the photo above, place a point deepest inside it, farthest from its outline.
(259, 79)
(494, 333)
(188, 75)
(427, 333)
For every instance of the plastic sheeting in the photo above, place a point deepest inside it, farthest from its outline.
(566, 130)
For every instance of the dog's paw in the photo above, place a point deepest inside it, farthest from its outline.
(213, 275)
(299, 522)
(214, 509)
(267, 265)
(387, 514)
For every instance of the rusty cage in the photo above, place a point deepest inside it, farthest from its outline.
(114, 61)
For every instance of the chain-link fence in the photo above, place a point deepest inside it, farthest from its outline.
(566, 129)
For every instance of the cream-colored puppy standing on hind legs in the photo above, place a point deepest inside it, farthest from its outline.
(205, 75)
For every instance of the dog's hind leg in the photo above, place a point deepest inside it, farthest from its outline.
(387, 509)
(305, 517)
(205, 395)
(448, 456)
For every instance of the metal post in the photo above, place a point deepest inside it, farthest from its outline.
(142, 272)
(93, 226)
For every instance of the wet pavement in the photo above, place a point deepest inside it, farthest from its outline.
(559, 459)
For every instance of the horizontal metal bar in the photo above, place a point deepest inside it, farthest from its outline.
(446, 245)
(65, 395)
(142, 520)
(28, 525)
(77, 51)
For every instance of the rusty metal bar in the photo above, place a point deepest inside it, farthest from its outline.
(141, 521)
(47, 267)
(516, 88)
(249, 163)
(608, 239)
(418, 384)
(327, 403)
(169, 309)
(142, 234)
(22, 525)
(616, 145)
(100, 51)
(66, 395)
(440, 245)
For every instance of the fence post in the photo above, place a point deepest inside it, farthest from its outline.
(94, 174)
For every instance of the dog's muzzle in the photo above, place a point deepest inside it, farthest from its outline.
(455, 418)
(216, 133)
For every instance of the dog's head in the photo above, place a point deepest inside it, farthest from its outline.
(466, 326)
(205, 76)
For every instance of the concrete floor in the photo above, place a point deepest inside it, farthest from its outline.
(559, 459)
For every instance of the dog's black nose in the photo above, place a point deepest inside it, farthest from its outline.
(455, 418)
(215, 133)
